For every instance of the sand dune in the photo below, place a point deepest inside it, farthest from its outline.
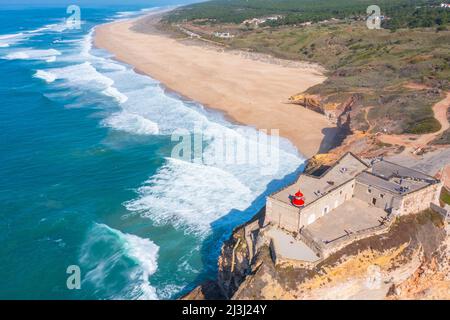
(249, 91)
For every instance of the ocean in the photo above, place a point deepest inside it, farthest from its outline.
(87, 173)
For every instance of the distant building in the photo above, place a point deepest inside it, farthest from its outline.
(445, 5)
(258, 21)
(223, 35)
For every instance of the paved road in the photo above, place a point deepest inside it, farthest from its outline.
(429, 163)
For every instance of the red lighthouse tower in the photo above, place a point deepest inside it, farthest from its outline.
(298, 199)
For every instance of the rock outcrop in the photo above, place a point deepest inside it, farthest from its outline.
(411, 261)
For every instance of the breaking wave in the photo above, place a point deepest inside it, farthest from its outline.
(190, 196)
(8, 40)
(107, 253)
(131, 14)
(131, 123)
(44, 75)
(116, 94)
(31, 54)
(83, 74)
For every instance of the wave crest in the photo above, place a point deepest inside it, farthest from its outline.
(119, 262)
(131, 123)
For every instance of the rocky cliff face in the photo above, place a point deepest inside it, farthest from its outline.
(411, 261)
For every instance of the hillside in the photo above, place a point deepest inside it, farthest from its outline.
(409, 262)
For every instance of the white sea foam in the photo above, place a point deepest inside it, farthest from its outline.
(83, 74)
(52, 27)
(116, 94)
(131, 123)
(55, 27)
(51, 59)
(86, 45)
(7, 40)
(46, 76)
(131, 14)
(125, 14)
(109, 252)
(190, 195)
(107, 65)
(32, 54)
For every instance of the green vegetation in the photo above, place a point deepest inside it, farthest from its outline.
(401, 13)
(421, 17)
(445, 196)
(424, 126)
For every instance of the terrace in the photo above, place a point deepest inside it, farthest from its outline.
(351, 217)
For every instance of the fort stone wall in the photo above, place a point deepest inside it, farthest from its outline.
(282, 214)
(420, 200)
(326, 204)
(379, 198)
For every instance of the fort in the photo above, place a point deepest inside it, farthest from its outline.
(326, 210)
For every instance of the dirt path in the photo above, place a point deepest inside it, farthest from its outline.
(416, 86)
(366, 117)
(413, 142)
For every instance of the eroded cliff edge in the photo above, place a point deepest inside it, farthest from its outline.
(411, 261)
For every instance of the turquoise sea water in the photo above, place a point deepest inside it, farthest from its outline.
(87, 177)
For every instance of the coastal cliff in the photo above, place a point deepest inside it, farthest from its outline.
(411, 261)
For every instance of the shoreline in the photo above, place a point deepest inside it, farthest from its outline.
(213, 288)
(247, 91)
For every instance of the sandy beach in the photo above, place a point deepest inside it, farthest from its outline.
(249, 91)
